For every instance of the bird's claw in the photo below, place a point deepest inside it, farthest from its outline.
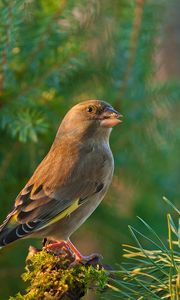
(95, 257)
(93, 260)
(66, 249)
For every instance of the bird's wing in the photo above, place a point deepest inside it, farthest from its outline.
(38, 205)
(35, 209)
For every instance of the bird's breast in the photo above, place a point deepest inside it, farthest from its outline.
(97, 161)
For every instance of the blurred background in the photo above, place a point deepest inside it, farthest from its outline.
(56, 53)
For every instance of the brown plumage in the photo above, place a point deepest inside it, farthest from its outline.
(71, 180)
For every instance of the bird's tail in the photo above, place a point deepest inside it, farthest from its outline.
(8, 234)
(3, 234)
(11, 230)
(8, 230)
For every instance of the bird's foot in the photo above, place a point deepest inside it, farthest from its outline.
(83, 259)
(66, 248)
(92, 257)
(93, 260)
(60, 249)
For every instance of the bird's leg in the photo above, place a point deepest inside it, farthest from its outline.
(67, 246)
(53, 245)
(82, 258)
(59, 247)
(77, 254)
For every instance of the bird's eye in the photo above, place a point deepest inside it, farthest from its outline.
(90, 109)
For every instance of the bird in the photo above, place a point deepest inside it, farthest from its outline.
(70, 182)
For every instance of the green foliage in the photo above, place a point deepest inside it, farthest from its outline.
(26, 124)
(52, 277)
(150, 274)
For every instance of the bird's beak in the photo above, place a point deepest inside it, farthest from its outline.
(109, 117)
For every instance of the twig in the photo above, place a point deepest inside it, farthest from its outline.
(138, 13)
(7, 28)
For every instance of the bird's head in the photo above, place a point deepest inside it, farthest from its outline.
(89, 118)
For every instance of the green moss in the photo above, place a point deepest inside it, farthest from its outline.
(53, 277)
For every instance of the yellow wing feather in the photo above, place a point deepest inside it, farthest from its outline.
(63, 214)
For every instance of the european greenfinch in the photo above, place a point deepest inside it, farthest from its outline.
(71, 180)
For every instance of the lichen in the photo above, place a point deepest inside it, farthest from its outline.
(55, 277)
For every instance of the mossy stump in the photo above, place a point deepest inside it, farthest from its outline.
(57, 276)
